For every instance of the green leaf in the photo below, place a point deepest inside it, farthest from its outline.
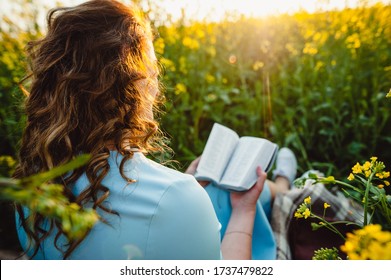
(39, 179)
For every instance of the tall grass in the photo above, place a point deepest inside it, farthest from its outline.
(312, 82)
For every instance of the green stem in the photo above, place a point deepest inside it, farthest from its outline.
(345, 222)
(329, 226)
(347, 185)
(368, 185)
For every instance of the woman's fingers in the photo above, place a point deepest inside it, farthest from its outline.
(192, 170)
(248, 199)
(193, 166)
(261, 179)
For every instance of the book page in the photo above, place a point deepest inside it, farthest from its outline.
(217, 152)
(250, 153)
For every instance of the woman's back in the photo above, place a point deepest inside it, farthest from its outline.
(163, 215)
(94, 89)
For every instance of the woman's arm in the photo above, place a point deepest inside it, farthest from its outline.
(237, 241)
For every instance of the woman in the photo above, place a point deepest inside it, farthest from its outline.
(264, 246)
(94, 90)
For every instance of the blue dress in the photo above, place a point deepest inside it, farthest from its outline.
(263, 245)
(164, 215)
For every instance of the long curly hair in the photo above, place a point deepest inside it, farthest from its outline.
(91, 82)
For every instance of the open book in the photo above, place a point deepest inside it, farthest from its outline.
(230, 161)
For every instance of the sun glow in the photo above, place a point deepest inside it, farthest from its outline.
(215, 10)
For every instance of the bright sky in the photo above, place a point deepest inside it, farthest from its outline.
(216, 9)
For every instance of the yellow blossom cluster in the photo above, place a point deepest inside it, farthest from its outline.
(191, 43)
(310, 49)
(304, 210)
(180, 88)
(372, 167)
(368, 243)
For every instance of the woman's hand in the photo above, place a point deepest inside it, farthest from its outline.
(247, 200)
(192, 169)
(193, 166)
(237, 240)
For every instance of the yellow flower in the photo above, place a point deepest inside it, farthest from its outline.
(379, 175)
(351, 177)
(326, 205)
(298, 215)
(371, 228)
(368, 173)
(310, 49)
(167, 64)
(307, 213)
(373, 159)
(380, 186)
(307, 200)
(389, 94)
(366, 166)
(386, 174)
(382, 236)
(357, 168)
(319, 65)
(180, 88)
(348, 246)
(369, 242)
(375, 251)
(190, 43)
(353, 41)
(210, 79)
(183, 65)
(159, 45)
(258, 65)
(387, 183)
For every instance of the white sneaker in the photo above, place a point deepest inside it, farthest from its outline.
(286, 165)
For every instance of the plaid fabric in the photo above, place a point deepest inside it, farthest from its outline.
(285, 206)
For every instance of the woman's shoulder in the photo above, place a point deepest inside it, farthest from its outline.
(146, 175)
(140, 168)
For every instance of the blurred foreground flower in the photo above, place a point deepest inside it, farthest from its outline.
(47, 199)
(368, 243)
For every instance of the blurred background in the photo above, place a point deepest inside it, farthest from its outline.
(310, 75)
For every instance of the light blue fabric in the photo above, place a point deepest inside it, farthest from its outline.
(264, 245)
(164, 215)
(266, 201)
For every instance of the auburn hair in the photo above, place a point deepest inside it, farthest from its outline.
(87, 93)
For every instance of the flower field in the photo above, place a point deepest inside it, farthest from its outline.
(316, 83)
(313, 82)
